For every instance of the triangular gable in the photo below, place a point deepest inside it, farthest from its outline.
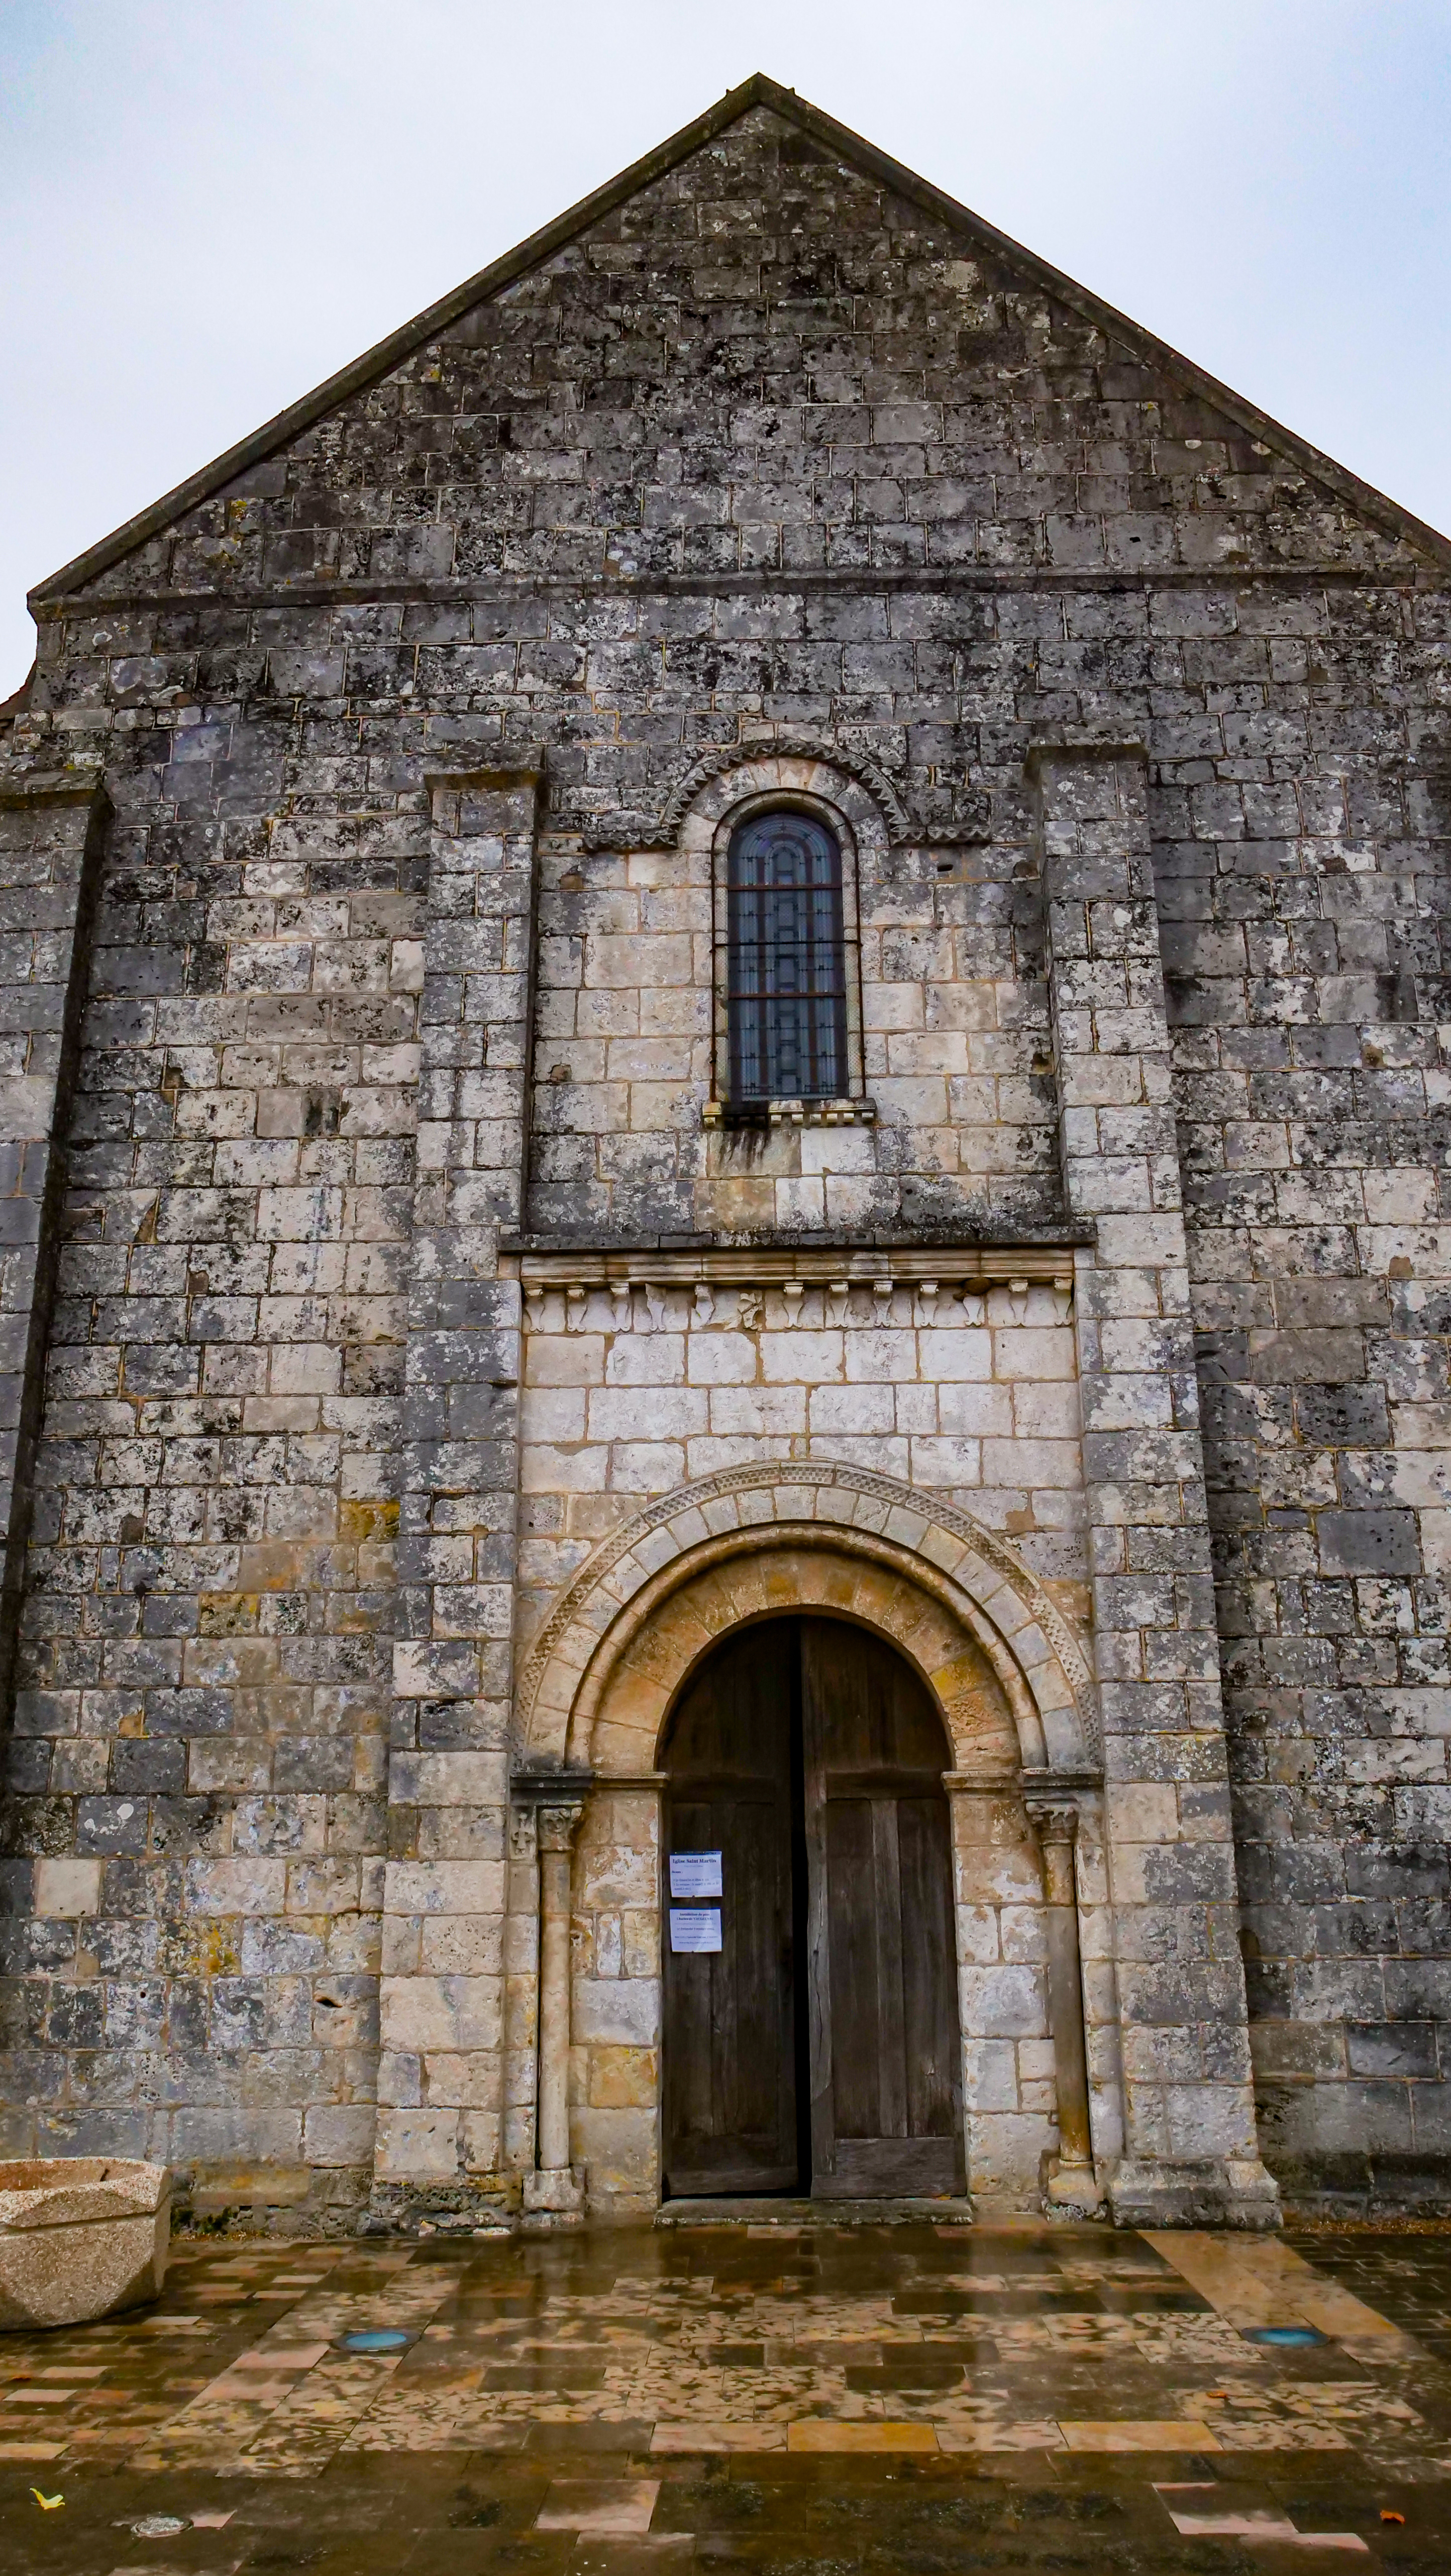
(839, 142)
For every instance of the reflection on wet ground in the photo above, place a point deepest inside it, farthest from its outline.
(795, 2397)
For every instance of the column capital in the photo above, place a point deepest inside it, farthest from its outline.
(1055, 1819)
(558, 1826)
(1051, 1793)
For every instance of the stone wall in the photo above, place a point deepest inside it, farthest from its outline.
(773, 459)
(1301, 902)
(964, 1389)
(204, 1702)
(950, 1117)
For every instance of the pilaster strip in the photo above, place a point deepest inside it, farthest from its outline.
(52, 827)
(441, 2084)
(1189, 2107)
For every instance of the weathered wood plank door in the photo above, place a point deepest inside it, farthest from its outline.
(881, 1954)
(818, 2048)
(730, 2113)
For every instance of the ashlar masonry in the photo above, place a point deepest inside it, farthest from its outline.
(749, 932)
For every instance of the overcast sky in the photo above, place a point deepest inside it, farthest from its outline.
(208, 205)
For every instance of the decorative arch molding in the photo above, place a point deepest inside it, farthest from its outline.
(620, 1718)
(843, 774)
(1002, 1612)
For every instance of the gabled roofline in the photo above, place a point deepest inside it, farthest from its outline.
(844, 145)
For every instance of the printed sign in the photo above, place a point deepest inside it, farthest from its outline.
(695, 1874)
(694, 1927)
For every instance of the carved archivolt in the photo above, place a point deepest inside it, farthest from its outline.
(966, 821)
(941, 1553)
(621, 1716)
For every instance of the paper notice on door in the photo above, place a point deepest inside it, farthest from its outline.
(694, 1927)
(695, 1874)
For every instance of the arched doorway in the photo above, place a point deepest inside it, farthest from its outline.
(816, 2048)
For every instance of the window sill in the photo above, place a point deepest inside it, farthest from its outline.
(789, 1113)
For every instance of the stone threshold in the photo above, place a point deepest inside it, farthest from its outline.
(774, 2212)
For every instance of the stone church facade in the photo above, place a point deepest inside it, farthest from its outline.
(425, 1347)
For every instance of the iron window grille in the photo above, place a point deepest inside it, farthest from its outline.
(786, 989)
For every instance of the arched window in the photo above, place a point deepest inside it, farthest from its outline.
(786, 996)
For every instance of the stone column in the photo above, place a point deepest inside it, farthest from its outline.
(521, 1994)
(441, 2076)
(51, 829)
(1191, 2151)
(1072, 2183)
(555, 2187)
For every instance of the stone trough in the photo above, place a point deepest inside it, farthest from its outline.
(79, 2237)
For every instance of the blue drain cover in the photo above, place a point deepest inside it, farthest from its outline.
(376, 2339)
(1279, 2336)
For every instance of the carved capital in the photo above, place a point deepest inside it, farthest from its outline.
(558, 1826)
(1055, 1820)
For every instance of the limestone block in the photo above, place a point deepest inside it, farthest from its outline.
(446, 2014)
(470, 2082)
(470, 1945)
(646, 1467)
(615, 1874)
(621, 2150)
(623, 2011)
(448, 1779)
(446, 1887)
(340, 2134)
(1004, 2002)
(66, 1887)
(80, 2236)
(417, 2146)
(623, 2079)
(967, 1408)
(1005, 2151)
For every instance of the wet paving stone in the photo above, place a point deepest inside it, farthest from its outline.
(854, 2399)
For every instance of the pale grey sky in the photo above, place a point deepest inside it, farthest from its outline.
(208, 205)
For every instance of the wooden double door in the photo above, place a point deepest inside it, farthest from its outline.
(817, 2048)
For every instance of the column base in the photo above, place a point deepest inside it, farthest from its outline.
(554, 2197)
(1220, 2191)
(1072, 2191)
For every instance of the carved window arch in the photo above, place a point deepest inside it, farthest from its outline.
(788, 992)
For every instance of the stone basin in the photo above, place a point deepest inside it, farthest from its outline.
(79, 2237)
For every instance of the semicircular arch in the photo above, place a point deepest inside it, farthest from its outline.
(854, 792)
(957, 1600)
(621, 1723)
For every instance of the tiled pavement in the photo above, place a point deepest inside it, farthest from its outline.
(808, 2400)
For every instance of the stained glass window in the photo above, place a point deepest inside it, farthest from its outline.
(787, 986)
